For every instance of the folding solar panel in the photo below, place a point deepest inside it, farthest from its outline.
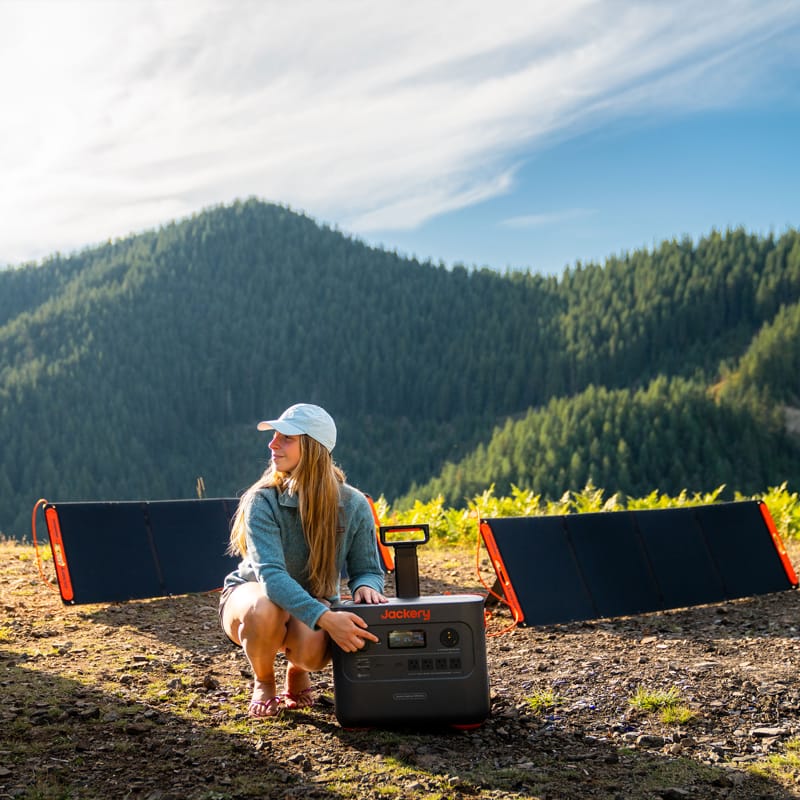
(190, 538)
(683, 568)
(585, 566)
(112, 551)
(115, 551)
(548, 561)
(612, 562)
(740, 545)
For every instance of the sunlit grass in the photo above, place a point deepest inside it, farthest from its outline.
(677, 715)
(543, 701)
(669, 703)
(655, 699)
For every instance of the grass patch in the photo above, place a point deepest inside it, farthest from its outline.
(655, 699)
(544, 701)
(669, 703)
(772, 774)
(677, 715)
(781, 767)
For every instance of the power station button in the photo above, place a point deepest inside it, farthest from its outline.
(449, 637)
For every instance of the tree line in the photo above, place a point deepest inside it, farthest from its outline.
(128, 369)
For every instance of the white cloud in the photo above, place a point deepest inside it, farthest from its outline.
(374, 116)
(550, 218)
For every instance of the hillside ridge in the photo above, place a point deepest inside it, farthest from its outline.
(132, 368)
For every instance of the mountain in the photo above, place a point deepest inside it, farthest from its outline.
(130, 369)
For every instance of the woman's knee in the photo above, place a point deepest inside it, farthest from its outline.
(250, 614)
(262, 615)
(320, 660)
(308, 649)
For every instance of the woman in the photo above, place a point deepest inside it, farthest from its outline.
(296, 528)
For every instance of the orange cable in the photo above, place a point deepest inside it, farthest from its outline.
(45, 579)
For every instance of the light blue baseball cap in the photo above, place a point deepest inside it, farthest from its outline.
(305, 418)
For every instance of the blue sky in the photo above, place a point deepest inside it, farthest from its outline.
(512, 134)
(628, 187)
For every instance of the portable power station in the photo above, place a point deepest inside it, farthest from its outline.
(429, 664)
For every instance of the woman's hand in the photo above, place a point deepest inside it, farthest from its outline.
(364, 594)
(348, 630)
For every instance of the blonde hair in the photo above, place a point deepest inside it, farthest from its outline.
(315, 480)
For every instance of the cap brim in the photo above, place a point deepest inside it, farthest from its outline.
(280, 425)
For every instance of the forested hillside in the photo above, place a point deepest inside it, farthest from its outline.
(129, 369)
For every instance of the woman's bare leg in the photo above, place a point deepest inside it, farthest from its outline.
(306, 651)
(252, 620)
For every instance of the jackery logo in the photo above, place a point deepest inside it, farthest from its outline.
(396, 614)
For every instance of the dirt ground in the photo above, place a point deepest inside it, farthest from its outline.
(148, 700)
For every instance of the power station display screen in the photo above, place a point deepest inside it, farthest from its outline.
(406, 638)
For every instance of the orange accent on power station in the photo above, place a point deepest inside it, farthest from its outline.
(421, 614)
(510, 595)
(778, 542)
(59, 556)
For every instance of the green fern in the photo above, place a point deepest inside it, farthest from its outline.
(454, 527)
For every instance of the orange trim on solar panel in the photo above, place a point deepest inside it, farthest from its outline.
(778, 542)
(510, 597)
(386, 552)
(59, 556)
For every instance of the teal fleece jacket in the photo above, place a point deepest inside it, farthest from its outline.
(277, 552)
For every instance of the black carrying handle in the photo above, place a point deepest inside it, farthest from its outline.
(406, 563)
